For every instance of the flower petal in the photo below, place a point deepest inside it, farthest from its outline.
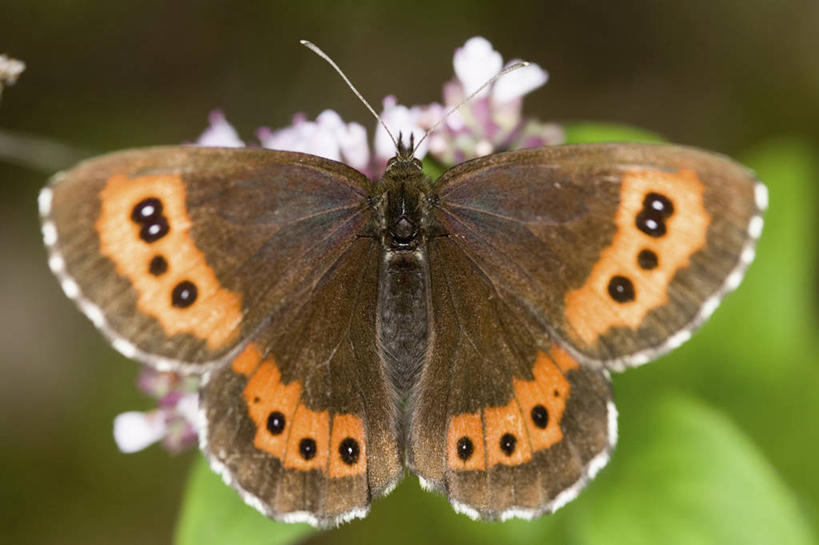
(133, 430)
(188, 408)
(475, 63)
(519, 82)
(351, 139)
(220, 133)
(10, 70)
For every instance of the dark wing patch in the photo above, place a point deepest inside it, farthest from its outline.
(303, 422)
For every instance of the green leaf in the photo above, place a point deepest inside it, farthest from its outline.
(685, 474)
(214, 514)
(578, 133)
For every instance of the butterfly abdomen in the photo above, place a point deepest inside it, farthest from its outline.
(403, 316)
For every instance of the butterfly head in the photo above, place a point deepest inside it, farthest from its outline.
(404, 163)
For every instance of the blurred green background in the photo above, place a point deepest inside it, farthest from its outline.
(718, 440)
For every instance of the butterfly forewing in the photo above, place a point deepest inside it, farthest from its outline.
(619, 250)
(178, 254)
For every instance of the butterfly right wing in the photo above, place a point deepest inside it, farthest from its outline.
(303, 423)
(620, 250)
(503, 420)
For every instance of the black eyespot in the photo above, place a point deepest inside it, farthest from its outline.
(465, 448)
(651, 223)
(507, 443)
(275, 422)
(158, 265)
(647, 260)
(184, 294)
(540, 416)
(307, 448)
(146, 209)
(154, 230)
(349, 451)
(659, 203)
(621, 289)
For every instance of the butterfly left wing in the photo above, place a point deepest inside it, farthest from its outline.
(503, 420)
(178, 254)
(303, 422)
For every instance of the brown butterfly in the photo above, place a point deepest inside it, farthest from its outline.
(462, 328)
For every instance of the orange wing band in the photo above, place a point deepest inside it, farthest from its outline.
(510, 435)
(668, 240)
(300, 438)
(212, 313)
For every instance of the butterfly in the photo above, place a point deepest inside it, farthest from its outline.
(462, 328)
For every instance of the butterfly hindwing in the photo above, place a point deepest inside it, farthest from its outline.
(303, 421)
(503, 420)
(620, 250)
(178, 254)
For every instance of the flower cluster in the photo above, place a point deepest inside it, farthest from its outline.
(492, 121)
(10, 70)
(173, 422)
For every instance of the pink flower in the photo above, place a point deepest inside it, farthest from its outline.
(493, 120)
(174, 422)
(402, 121)
(220, 133)
(328, 136)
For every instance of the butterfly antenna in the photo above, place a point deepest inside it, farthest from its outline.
(315, 49)
(474, 93)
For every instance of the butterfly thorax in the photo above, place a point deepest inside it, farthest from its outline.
(400, 205)
(401, 221)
